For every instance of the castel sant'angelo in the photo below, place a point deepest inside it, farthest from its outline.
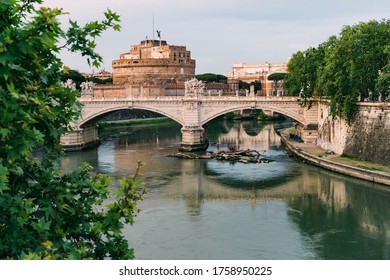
(151, 68)
(153, 61)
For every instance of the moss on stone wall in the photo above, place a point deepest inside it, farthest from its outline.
(368, 136)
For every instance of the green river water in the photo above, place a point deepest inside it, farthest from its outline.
(208, 209)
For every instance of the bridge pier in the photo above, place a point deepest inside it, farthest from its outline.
(308, 133)
(80, 138)
(193, 139)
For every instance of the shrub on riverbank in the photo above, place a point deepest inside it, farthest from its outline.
(136, 122)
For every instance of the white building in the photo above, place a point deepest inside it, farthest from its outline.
(258, 72)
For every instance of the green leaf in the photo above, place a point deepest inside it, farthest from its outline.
(30, 256)
(3, 178)
(4, 132)
(117, 27)
(17, 170)
(42, 225)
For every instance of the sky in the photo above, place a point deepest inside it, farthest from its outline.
(220, 32)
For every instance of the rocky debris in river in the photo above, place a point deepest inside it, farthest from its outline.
(244, 156)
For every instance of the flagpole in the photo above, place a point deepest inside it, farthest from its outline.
(153, 27)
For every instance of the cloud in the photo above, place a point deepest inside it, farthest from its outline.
(221, 32)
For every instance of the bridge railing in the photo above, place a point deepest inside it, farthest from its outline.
(184, 98)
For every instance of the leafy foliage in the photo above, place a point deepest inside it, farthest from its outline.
(78, 78)
(245, 85)
(350, 67)
(302, 75)
(276, 76)
(45, 214)
(382, 84)
(73, 75)
(100, 81)
(210, 77)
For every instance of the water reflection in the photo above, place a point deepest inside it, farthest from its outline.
(206, 209)
(245, 135)
(345, 219)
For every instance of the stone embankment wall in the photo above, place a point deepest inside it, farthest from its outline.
(369, 175)
(367, 138)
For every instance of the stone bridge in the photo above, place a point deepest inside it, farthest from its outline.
(192, 111)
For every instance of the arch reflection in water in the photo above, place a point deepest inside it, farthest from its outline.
(199, 209)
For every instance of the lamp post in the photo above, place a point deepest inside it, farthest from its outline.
(274, 91)
(264, 82)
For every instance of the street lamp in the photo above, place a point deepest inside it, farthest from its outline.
(263, 82)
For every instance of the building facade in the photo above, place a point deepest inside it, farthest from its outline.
(258, 72)
(102, 74)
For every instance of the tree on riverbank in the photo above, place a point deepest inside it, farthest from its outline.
(352, 66)
(211, 78)
(247, 86)
(45, 214)
(78, 78)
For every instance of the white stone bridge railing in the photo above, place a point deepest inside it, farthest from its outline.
(201, 98)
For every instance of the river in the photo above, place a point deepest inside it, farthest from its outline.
(208, 209)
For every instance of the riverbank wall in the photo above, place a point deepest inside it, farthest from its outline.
(367, 138)
(316, 155)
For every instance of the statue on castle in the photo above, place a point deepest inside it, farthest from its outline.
(69, 84)
(87, 87)
(194, 88)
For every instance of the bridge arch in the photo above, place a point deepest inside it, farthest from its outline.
(92, 116)
(296, 113)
